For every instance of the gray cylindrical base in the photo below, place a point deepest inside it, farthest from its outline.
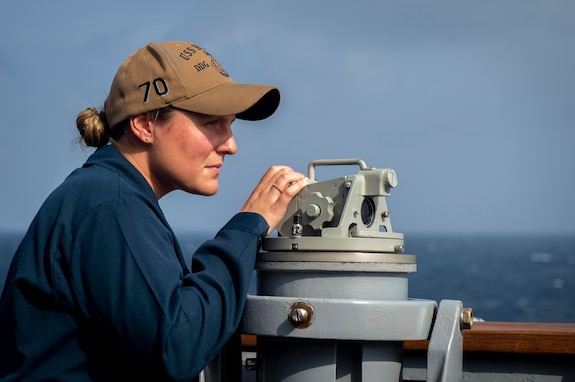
(328, 276)
(341, 285)
(312, 360)
(342, 275)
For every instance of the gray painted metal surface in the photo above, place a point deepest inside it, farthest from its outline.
(342, 319)
(332, 296)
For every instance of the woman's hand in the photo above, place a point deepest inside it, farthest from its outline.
(271, 197)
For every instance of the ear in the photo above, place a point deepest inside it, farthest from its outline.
(141, 127)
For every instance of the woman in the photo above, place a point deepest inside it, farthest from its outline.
(98, 288)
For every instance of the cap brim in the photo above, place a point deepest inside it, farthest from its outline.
(245, 101)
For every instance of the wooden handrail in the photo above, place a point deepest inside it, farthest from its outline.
(500, 337)
(514, 337)
(540, 338)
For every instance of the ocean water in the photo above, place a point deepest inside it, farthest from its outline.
(518, 278)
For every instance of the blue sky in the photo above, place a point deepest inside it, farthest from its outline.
(472, 103)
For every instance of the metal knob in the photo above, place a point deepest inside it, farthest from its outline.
(466, 319)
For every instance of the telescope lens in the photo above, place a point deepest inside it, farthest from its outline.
(368, 211)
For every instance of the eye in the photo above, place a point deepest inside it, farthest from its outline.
(218, 123)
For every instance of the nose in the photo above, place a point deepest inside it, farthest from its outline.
(229, 145)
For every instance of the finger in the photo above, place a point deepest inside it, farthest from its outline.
(294, 182)
(285, 178)
(274, 172)
(270, 177)
(281, 180)
(294, 187)
(277, 188)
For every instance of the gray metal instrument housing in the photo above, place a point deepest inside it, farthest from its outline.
(332, 212)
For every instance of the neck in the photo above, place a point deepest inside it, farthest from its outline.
(137, 155)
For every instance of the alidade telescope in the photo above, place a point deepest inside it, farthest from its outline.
(325, 215)
(332, 293)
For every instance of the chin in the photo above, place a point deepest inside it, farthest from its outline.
(205, 191)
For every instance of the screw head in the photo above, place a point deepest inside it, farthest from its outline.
(301, 314)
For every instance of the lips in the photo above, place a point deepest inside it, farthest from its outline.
(215, 168)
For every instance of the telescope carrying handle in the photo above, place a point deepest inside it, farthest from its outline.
(332, 162)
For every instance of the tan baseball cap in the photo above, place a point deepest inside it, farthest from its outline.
(183, 75)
